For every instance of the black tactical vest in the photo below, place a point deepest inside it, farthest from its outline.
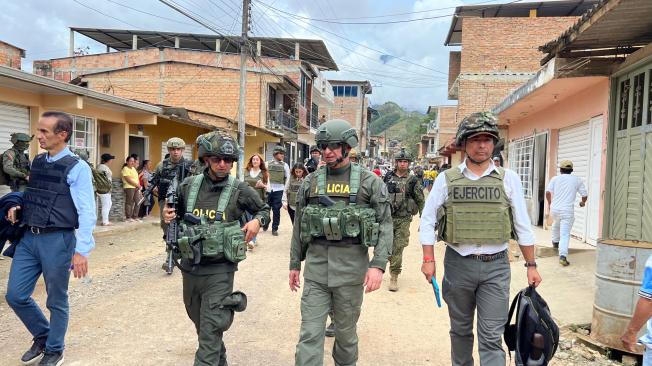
(47, 201)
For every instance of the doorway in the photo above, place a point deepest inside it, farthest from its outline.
(539, 178)
(139, 145)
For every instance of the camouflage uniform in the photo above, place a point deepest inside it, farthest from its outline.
(15, 162)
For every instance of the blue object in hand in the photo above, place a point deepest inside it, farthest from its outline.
(435, 288)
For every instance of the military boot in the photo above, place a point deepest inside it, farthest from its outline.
(393, 282)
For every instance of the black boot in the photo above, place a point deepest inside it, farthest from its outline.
(34, 353)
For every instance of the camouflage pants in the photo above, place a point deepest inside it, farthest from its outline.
(401, 240)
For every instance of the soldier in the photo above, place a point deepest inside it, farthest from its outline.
(343, 210)
(353, 156)
(15, 162)
(477, 208)
(315, 159)
(279, 175)
(406, 198)
(173, 166)
(210, 205)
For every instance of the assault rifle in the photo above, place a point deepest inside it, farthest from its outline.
(171, 233)
(147, 192)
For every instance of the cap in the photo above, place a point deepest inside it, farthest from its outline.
(566, 164)
(107, 157)
(496, 158)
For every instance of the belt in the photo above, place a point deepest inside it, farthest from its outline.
(336, 243)
(487, 257)
(44, 230)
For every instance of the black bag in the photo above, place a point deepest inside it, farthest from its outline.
(532, 316)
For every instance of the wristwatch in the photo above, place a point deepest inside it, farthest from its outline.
(530, 264)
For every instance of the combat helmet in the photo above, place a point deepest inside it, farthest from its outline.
(479, 122)
(403, 155)
(175, 142)
(82, 153)
(278, 149)
(314, 148)
(336, 131)
(20, 137)
(217, 144)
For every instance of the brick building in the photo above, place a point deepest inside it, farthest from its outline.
(499, 51)
(441, 129)
(202, 73)
(10, 55)
(351, 104)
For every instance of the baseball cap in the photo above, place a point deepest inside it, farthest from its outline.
(566, 164)
(107, 157)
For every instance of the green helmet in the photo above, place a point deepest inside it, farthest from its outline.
(336, 131)
(314, 148)
(20, 137)
(479, 122)
(403, 155)
(216, 144)
(279, 149)
(175, 142)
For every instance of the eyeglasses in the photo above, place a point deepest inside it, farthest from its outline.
(218, 159)
(331, 146)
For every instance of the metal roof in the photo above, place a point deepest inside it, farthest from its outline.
(616, 24)
(313, 51)
(564, 8)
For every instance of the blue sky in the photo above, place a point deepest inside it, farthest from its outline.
(405, 62)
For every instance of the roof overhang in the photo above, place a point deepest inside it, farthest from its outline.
(564, 8)
(313, 51)
(612, 28)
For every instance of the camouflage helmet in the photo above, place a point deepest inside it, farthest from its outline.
(217, 144)
(20, 137)
(479, 122)
(403, 155)
(336, 131)
(353, 153)
(279, 149)
(314, 148)
(175, 142)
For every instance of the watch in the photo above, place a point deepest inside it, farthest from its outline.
(531, 264)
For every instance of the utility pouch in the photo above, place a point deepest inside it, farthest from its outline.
(412, 207)
(235, 248)
(187, 237)
(369, 228)
(350, 224)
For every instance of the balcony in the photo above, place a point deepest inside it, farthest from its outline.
(282, 121)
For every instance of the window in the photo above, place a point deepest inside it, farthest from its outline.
(83, 135)
(520, 161)
(271, 102)
(345, 91)
(639, 85)
(354, 91)
(303, 93)
(624, 101)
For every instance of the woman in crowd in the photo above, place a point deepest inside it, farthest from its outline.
(130, 186)
(257, 177)
(144, 175)
(297, 174)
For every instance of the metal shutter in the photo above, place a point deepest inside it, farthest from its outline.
(13, 118)
(575, 145)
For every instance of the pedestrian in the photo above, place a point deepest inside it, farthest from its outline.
(322, 119)
(642, 314)
(297, 176)
(477, 209)
(173, 165)
(353, 156)
(59, 212)
(406, 199)
(219, 200)
(144, 176)
(335, 247)
(258, 179)
(279, 174)
(105, 199)
(377, 171)
(15, 162)
(315, 159)
(130, 186)
(560, 195)
(496, 160)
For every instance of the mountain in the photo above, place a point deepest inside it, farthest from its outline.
(399, 124)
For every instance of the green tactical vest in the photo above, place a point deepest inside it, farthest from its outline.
(402, 202)
(325, 221)
(293, 190)
(215, 240)
(276, 171)
(475, 212)
(251, 181)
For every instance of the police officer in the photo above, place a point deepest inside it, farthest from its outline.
(279, 175)
(477, 208)
(406, 198)
(173, 166)
(211, 242)
(342, 210)
(15, 162)
(315, 159)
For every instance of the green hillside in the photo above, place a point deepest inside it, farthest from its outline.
(396, 123)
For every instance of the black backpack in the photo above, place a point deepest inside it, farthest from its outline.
(532, 316)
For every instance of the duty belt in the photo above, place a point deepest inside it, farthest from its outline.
(337, 243)
(487, 257)
(45, 230)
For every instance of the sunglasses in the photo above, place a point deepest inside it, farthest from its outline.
(218, 159)
(331, 146)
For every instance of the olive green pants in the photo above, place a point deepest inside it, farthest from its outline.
(316, 302)
(202, 296)
(401, 240)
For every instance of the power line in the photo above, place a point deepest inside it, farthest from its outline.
(106, 15)
(151, 14)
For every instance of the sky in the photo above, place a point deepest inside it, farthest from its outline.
(405, 62)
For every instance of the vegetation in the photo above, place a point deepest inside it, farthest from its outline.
(398, 124)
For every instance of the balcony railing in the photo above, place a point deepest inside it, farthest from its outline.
(280, 120)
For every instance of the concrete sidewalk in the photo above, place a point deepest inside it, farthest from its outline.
(569, 291)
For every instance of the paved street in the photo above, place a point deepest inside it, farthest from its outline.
(132, 313)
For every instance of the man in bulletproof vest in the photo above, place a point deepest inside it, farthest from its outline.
(406, 198)
(477, 208)
(315, 159)
(175, 165)
(211, 242)
(342, 210)
(279, 175)
(15, 162)
(59, 212)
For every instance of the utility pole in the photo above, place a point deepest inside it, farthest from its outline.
(243, 86)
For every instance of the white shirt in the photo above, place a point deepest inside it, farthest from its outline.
(273, 187)
(564, 189)
(514, 192)
(105, 169)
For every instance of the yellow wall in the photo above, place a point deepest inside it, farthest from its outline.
(256, 144)
(119, 144)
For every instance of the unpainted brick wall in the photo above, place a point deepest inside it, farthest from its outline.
(9, 56)
(482, 95)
